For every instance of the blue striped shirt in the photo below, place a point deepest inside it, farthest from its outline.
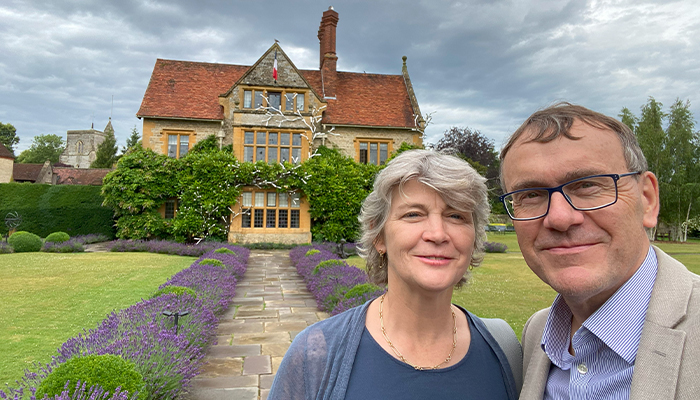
(606, 344)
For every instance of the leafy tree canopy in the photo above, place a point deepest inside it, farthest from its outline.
(8, 136)
(44, 147)
(132, 140)
(106, 154)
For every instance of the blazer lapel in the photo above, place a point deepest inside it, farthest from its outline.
(661, 346)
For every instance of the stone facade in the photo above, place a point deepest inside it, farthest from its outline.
(6, 165)
(81, 147)
(155, 132)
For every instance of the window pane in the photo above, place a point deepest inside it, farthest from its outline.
(383, 152)
(260, 199)
(284, 139)
(247, 199)
(172, 145)
(248, 154)
(270, 220)
(248, 138)
(296, 155)
(259, 153)
(170, 209)
(258, 219)
(272, 155)
(284, 154)
(373, 153)
(300, 101)
(295, 200)
(272, 138)
(184, 145)
(258, 98)
(247, 99)
(296, 139)
(245, 218)
(284, 200)
(272, 199)
(261, 138)
(282, 218)
(363, 153)
(294, 220)
(289, 102)
(274, 100)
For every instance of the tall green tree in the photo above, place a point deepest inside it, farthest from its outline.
(651, 135)
(44, 147)
(106, 155)
(132, 140)
(628, 118)
(8, 136)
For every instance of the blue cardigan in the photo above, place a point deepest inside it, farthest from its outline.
(319, 361)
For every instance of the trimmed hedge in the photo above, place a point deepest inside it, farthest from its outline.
(74, 209)
(58, 237)
(23, 242)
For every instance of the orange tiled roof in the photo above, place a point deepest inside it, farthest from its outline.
(5, 153)
(76, 176)
(26, 172)
(190, 90)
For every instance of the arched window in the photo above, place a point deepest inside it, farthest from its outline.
(79, 147)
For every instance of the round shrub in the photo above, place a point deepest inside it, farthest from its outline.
(58, 237)
(224, 250)
(493, 247)
(361, 289)
(178, 290)
(311, 252)
(326, 264)
(22, 241)
(107, 370)
(211, 261)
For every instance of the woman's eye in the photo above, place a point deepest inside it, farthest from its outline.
(411, 214)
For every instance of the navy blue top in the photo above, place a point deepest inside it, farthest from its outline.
(376, 374)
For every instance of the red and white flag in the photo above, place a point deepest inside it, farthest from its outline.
(274, 67)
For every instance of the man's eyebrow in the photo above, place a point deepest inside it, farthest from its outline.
(570, 176)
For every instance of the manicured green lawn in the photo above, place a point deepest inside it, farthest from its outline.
(504, 287)
(48, 298)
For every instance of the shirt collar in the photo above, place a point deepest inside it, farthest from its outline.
(618, 322)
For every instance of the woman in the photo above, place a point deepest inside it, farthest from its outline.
(422, 231)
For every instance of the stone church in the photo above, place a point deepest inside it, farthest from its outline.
(81, 146)
(275, 112)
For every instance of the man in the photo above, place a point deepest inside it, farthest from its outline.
(626, 322)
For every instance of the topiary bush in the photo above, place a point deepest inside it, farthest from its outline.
(178, 290)
(22, 241)
(58, 237)
(493, 247)
(326, 264)
(224, 250)
(312, 252)
(107, 370)
(211, 261)
(361, 289)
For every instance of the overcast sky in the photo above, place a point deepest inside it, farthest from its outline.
(485, 64)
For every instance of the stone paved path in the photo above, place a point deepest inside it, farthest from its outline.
(271, 306)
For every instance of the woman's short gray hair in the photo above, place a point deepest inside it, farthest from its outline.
(459, 185)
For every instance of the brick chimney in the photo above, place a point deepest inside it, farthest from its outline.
(328, 58)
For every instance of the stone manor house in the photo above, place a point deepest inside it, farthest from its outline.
(273, 111)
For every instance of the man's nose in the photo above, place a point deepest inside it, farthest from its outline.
(561, 214)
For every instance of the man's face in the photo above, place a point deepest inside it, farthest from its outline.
(584, 255)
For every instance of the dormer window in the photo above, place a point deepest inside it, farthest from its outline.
(257, 98)
(274, 100)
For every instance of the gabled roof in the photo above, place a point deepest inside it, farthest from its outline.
(76, 176)
(190, 90)
(26, 172)
(5, 153)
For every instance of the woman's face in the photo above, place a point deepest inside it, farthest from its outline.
(428, 244)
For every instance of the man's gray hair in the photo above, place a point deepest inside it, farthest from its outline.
(459, 185)
(552, 122)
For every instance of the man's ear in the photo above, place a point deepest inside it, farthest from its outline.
(650, 198)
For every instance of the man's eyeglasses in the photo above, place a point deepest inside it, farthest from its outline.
(583, 194)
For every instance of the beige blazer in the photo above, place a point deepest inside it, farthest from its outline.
(668, 360)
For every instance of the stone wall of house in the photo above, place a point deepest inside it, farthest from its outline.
(90, 139)
(286, 238)
(155, 132)
(344, 138)
(6, 166)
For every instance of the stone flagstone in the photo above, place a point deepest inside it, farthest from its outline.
(270, 307)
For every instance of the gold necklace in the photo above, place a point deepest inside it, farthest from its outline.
(398, 353)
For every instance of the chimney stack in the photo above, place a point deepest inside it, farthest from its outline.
(328, 58)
